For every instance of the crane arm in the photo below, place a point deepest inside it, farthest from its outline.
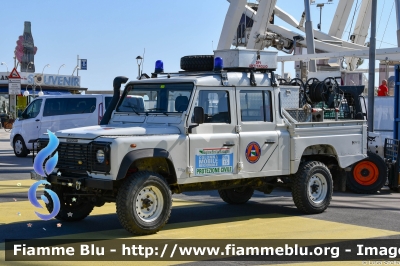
(261, 22)
(232, 19)
(340, 18)
(360, 30)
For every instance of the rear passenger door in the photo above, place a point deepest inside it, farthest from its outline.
(258, 136)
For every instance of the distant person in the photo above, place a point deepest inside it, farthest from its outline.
(383, 90)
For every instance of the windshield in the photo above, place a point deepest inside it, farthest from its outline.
(161, 98)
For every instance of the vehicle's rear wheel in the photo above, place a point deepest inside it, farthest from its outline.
(367, 176)
(19, 147)
(72, 208)
(312, 187)
(197, 63)
(144, 203)
(239, 195)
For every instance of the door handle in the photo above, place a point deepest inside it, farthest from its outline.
(37, 120)
(229, 144)
(269, 141)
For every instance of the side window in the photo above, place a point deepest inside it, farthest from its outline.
(256, 106)
(107, 101)
(81, 105)
(215, 105)
(55, 106)
(33, 109)
(252, 106)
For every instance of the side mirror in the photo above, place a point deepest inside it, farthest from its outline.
(24, 116)
(199, 115)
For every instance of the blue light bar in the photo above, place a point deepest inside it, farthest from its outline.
(159, 67)
(218, 64)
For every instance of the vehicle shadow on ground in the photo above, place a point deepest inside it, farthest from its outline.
(187, 216)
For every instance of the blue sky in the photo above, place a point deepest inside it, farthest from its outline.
(110, 34)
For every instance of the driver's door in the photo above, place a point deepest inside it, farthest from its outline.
(31, 121)
(214, 144)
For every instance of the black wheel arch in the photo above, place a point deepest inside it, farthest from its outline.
(133, 156)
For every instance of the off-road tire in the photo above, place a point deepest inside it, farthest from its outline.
(302, 190)
(367, 176)
(197, 63)
(239, 195)
(80, 208)
(18, 142)
(130, 196)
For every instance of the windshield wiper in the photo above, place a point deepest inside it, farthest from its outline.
(133, 108)
(158, 109)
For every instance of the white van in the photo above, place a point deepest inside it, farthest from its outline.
(55, 113)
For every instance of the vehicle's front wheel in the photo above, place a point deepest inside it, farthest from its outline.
(239, 195)
(144, 203)
(72, 208)
(312, 187)
(19, 146)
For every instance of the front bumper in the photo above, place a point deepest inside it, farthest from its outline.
(77, 182)
(35, 176)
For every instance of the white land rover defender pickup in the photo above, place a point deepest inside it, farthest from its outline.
(224, 128)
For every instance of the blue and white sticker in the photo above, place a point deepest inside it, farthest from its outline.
(213, 161)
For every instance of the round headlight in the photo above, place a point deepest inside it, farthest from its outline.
(100, 156)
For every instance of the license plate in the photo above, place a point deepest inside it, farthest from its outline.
(35, 176)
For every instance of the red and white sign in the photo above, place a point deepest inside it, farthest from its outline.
(14, 74)
(14, 82)
(258, 64)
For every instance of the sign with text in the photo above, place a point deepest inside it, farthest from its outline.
(48, 79)
(83, 64)
(14, 86)
(211, 161)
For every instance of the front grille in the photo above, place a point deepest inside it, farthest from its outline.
(80, 157)
(73, 157)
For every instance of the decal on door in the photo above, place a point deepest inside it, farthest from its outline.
(253, 152)
(213, 161)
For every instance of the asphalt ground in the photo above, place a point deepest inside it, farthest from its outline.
(199, 215)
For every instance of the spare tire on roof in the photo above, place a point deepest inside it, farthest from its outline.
(197, 63)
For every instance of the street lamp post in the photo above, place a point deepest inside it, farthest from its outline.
(320, 5)
(48, 65)
(34, 86)
(77, 67)
(320, 16)
(139, 60)
(63, 65)
(26, 92)
(4, 63)
(40, 92)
